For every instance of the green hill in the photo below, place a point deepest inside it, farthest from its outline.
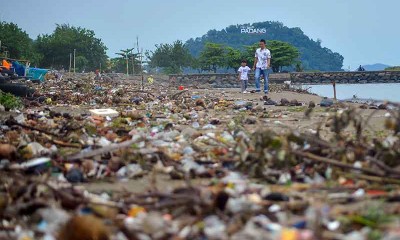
(313, 55)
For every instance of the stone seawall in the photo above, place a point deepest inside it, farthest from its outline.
(231, 80)
(346, 77)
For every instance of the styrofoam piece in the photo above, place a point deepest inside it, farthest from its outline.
(104, 112)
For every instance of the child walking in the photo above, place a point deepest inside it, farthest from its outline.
(244, 75)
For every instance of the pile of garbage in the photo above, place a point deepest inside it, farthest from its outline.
(261, 184)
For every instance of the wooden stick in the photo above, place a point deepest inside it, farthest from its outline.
(334, 89)
(383, 166)
(65, 144)
(34, 129)
(100, 151)
(178, 93)
(336, 163)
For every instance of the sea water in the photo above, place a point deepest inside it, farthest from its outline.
(378, 91)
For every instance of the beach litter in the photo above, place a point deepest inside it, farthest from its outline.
(240, 177)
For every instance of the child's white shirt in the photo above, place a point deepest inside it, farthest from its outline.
(244, 72)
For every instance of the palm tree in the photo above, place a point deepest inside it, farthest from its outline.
(126, 53)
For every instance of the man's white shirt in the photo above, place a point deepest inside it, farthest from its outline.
(244, 73)
(262, 57)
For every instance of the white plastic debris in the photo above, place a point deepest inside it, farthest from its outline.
(104, 112)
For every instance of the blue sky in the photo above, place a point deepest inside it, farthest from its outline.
(363, 31)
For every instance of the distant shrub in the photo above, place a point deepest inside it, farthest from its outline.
(10, 101)
(395, 68)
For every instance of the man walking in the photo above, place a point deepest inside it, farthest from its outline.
(262, 63)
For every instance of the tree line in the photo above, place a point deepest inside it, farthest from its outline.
(313, 56)
(54, 50)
